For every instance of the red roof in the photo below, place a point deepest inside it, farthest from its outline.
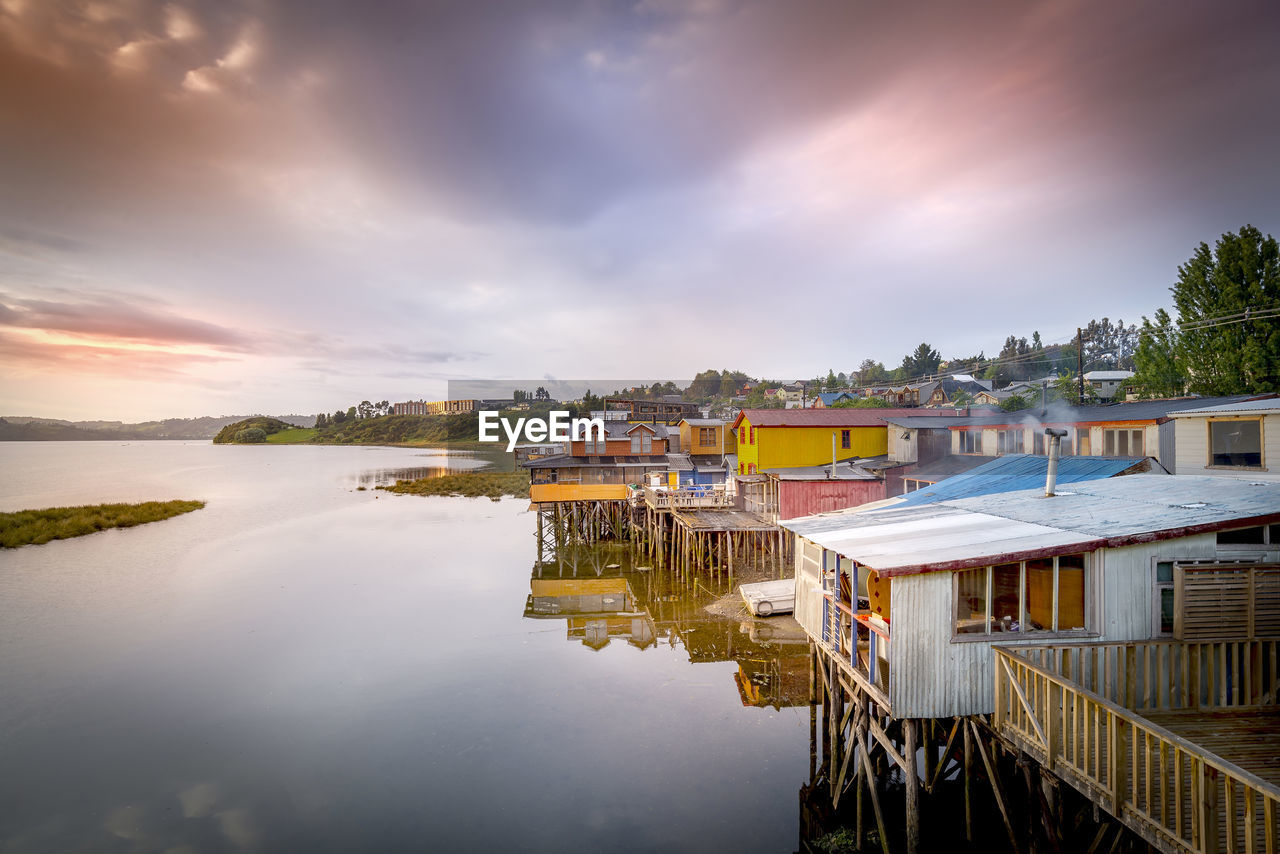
(828, 417)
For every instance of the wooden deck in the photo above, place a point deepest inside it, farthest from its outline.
(1199, 773)
(1249, 739)
(710, 521)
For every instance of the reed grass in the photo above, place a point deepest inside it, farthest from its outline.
(33, 527)
(487, 484)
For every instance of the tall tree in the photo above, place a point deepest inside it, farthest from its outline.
(1222, 348)
(871, 372)
(924, 360)
(1157, 371)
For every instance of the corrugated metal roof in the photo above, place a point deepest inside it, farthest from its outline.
(702, 422)
(1265, 406)
(1006, 526)
(1018, 471)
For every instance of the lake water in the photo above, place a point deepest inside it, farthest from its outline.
(306, 666)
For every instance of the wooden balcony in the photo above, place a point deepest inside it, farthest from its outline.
(1180, 741)
(687, 497)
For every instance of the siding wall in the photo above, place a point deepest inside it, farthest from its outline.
(1192, 452)
(804, 498)
(791, 447)
(932, 676)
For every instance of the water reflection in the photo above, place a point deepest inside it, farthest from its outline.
(605, 593)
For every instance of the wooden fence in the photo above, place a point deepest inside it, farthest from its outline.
(1067, 707)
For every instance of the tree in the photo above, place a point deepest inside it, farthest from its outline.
(1014, 402)
(1157, 372)
(871, 372)
(322, 421)
(961, 399)
(861, 403)
(541, 393)
(351, 413)
(924, 360)
(364, 409)
(338, 416)
(1220, 346)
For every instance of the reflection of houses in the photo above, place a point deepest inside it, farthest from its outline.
(595, 610)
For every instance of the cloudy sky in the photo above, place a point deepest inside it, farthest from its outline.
(235, 206)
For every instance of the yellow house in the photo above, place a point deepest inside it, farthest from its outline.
(790, 438)
(706, 436)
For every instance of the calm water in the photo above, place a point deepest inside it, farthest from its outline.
(305, 666)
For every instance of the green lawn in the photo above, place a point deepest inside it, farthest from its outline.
(289, 437)
(32, 527)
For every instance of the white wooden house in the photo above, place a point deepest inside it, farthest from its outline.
(940, 585)
(1233, 440)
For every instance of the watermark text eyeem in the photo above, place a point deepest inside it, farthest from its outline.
(558, 428)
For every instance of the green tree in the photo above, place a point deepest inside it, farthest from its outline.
(1014, 402)
(924, 360)
(322, 421)
(1157, 371)
(861, 403)
(1220, 346)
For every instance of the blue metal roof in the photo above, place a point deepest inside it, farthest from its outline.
(830, 397)
(1014, 472)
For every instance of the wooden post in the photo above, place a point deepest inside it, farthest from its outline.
(968, 778)
(912, 780)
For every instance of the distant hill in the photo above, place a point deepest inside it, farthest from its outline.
(20, 428)
(251, 431)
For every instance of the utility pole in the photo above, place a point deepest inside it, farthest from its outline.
(1079, 366)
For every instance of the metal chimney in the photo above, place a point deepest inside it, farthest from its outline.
(1055, 446)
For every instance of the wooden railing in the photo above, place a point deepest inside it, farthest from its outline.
(846, 635)
(1175, 793)
(1167, 674)
(701, 496)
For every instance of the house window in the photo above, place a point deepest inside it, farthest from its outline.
(1162, 599)
(1123, 443)
(753, 436)
(1261, 535)
(1008, 442)
(844, 439)
(910, 485)
(970, 441)
(1082, 442)
(1235, 444)
(706, 435)
(1041, 596)
(1037, 443)
(642, 442)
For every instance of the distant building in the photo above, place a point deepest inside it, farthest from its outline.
(1106, 384)
(438, 407)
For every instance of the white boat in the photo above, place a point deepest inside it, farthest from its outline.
(767, 598)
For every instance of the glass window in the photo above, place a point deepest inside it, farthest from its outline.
(1037, 596)
(844, 439)
(1137, 440)
(1235, 443)
(971, 602)
(1041, 595)
(1005, 612)
(1242, 537)
(1082, 442)
(1071, 580)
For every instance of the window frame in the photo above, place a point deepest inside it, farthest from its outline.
(846, 440)
(1156, 587)
(1262, 442)
(1089, 597)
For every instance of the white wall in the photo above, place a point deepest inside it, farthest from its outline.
(1191, 439)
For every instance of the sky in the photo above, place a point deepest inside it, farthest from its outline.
(238, 206)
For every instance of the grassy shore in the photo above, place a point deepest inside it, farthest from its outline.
(489, 484)
(296, 436)
(32, 527)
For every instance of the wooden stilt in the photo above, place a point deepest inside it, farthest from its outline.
(910, 732)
